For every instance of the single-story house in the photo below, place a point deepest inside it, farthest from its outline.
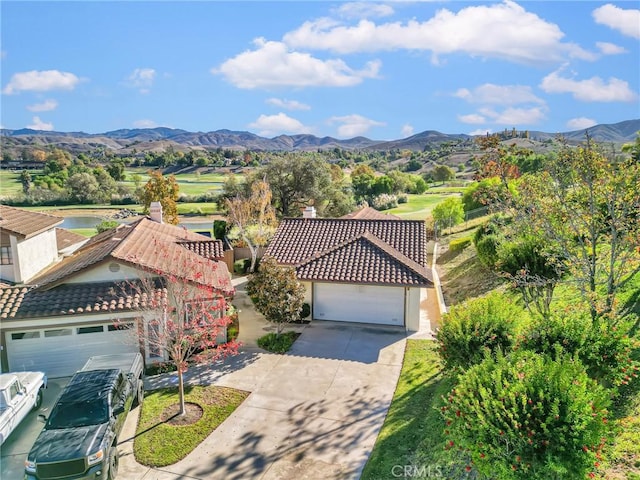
(368, 270)
(86, 305)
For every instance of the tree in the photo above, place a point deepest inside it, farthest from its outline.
(448, 213)
(83, 187)
(185, 316)
(442, 173)
(533, 270)
(276, 293)
(105, 225)
(586, 209)
(253, 218)
(116, 170)
(362, 178)
(633, 149)
(296, 182)
(164, 190)
(25, 180)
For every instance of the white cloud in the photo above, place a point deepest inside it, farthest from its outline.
(272, 64)
(40, 125)
(481, 131)
(45, 106)
(407, 130)
(514, 116)
(594, 89)
(141, 78)
(271, 125)
(287, 104)
(610, 48)
(491, 94)
(581, 123)
(354, 125)
(626, 22)
(504, 30)
(364, 10)
(41, 81)
(145, 123)
(472, 118)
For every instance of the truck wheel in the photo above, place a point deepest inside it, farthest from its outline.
(114, 461)
(139, 394)
(38, 403)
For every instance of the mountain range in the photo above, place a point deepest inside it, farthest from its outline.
(158, 139)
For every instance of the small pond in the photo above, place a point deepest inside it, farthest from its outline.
(86, 221)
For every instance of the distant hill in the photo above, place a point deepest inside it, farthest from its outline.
(153, 139)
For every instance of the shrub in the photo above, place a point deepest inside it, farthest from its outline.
(403, 198)
(275, 343)
(160, 367)
(472, 329)
(240, 266)
(459, 244)
(105, 225)
(384, 201)
(527, 416)
(605, 351)
(306, 310)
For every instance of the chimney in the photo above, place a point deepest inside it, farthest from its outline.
(309, 212)
(155, 212)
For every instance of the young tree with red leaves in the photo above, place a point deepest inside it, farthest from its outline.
(185, 316)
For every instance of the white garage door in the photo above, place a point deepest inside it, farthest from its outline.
(358, 303)
(60, 352)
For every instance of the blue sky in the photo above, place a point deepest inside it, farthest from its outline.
(384, 70)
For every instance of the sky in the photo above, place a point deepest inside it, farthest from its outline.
(383, 70)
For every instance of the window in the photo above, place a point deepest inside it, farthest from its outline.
(94, 329)
(24, 335)
(13, 391)
(5, 256)
(205, 310)
(154, 340)
(58, 332)
(120, 326)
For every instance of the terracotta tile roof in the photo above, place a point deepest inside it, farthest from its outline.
(66, 238)
(148, 245)
(25, 223)
(364, 259)
(212, 249)
(368, 213)
(70, 299)
(354, 251)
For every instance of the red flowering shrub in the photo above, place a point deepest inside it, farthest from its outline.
(528, 416)
(475, 328)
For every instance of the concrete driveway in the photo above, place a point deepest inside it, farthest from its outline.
(15, 449)
(314, 413)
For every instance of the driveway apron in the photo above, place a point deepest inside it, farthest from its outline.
(313, 413)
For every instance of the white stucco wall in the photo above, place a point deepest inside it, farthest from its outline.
(412, 309)
(102, 273)
(34, 254)
(308, 294)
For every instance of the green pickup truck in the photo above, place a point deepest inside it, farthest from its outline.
(80, 437)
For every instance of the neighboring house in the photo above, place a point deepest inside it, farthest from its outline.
(358, 270)
(85, 305)
(368, 213)
(30, 242)
(27, 243)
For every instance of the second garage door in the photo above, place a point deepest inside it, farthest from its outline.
(60, 352)
(358, 303)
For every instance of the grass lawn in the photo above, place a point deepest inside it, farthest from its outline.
(158, 443)
(418, 207)
(87, 232)
(413, 432)
(209, 208)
